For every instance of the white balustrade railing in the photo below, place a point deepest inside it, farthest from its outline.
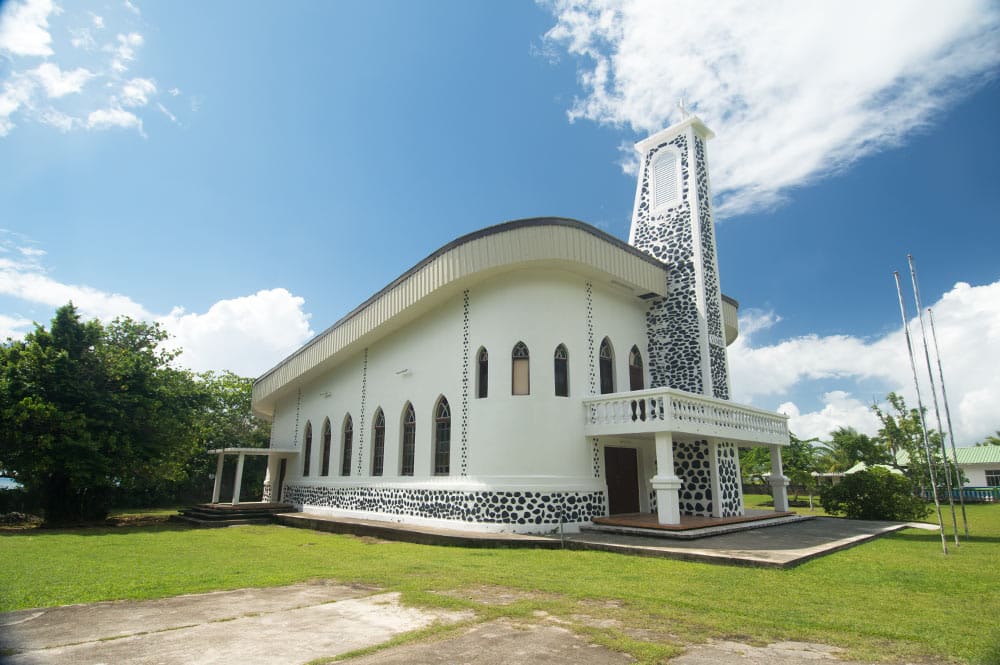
(665, 409)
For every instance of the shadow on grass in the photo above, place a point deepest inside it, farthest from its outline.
(96, 530)
(929, 536)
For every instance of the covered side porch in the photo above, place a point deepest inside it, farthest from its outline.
(690, 443)
(276, 457)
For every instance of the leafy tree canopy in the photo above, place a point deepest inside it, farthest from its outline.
(90, 412)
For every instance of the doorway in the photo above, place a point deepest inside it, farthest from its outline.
(621, 468)
(282, 468)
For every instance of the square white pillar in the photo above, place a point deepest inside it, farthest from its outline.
(665, 483)
(779, 482)
(217, 488)
(239, 479)
(713, 478)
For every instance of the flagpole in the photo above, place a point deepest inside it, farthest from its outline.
(947, 415)
(937, 411)
(920, 411)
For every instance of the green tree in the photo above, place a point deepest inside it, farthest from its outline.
(901, 432)
(991, 440)
(227, 421)
(847, 447)
(798, 460)
(874, 494)
(89, 411)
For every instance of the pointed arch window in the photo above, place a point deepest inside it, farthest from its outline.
(607, 367)
(345, 456)
(442, 438)
(560, 361)
(520, 382)
(325, 468)
(482, 372)
(635, 377)
(409, 441)
(307, 448)
(378, 443)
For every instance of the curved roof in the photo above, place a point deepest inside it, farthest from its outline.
(542, 242)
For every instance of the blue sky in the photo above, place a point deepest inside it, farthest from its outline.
(246, 173)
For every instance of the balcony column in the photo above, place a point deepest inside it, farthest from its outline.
(665, 483)
(239, 479)
(779, 482)
(217, 488)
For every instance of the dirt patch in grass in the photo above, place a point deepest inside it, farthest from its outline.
(496, 595)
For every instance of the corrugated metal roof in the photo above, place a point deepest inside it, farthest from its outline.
(966, 455)
(978, 455)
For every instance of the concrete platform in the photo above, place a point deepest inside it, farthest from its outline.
(782, 546)
(781, 542)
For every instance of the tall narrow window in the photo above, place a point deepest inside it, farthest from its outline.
(520, 383)
(345, 457)
(378, 443)
(561, 370)
(325, 469)
(482, 373)
(635, 379)
(442, 438)
(665, 180)
(607, 361)
(307, 449)
(409, 440)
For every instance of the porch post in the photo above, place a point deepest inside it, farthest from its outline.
(665, 482)
(779, 482)
(218, 479)
(239, 479)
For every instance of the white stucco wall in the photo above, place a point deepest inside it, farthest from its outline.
(531, 442)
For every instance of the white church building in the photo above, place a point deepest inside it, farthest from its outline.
(530, 374)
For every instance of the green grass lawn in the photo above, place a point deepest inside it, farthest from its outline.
(894, 598)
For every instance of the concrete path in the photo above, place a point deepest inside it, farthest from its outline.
(779, 546)
(281, 625)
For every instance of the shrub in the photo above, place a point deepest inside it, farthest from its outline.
(874, 494)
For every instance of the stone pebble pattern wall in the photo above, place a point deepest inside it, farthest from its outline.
(693, 466)
(730, 489)
(673, 323)
(713, 294)
(513, 508)
(266, 495)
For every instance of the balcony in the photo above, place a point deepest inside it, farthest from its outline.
(683, 413)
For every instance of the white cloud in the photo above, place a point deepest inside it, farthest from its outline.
(124, 51)
(113, 117)
(58, 83)
(794, 90)
(166, 112)
(81, 81)
(24, 27)
(59, 120)
(137, 92)
(132, 8)
(247, 335)
(840, 409)
(967, 321)
(13, 327)
(16, 94)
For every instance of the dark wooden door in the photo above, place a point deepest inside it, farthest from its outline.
(621, 468)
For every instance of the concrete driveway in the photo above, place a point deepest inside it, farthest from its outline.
(300, 623)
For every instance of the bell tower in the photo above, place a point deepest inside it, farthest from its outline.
(672, 221)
